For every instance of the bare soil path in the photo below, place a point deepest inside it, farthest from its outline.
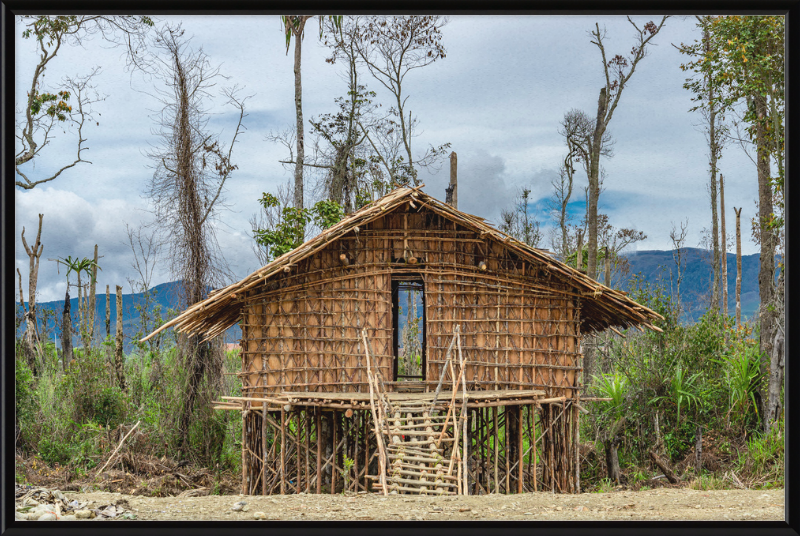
(655, 504)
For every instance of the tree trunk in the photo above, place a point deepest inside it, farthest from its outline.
(766, 270)
(776, 368)
(664, 466)
(594, 184)
(66, 333)
(118, 356)
(298, 105)
(608, 268)
(724, 242)
(612, 459)
(738, 267)
(108, 312)
(713, 152)
(92, 301)
(31, 327)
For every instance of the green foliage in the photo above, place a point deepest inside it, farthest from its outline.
(289, 230)
(706, 374)
(684, 390)
(615, 387)
(24, 392)
(742, 366)
(58, 109)
(745, 59)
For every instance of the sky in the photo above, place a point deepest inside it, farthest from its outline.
(497, 97)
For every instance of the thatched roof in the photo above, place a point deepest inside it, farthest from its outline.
(601, 306)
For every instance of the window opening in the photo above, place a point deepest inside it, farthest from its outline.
(408, 307)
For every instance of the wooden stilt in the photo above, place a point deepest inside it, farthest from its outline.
(318, 414)
(495, 438)
(308, 448)
(333, 454)
(507, 450)
(245, 472)
(521, 454)
(283, 451)
(297, 452)
(264, 448)
(357, 427)
(534, 452)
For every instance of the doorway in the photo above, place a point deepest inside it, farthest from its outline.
(408, 312)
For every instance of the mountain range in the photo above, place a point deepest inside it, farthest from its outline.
(655, 267)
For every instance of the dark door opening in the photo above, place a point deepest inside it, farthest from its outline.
(408, 312)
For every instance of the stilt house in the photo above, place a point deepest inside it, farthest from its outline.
(326, 402)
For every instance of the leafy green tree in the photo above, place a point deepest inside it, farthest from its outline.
(287, 229)
(745, 60)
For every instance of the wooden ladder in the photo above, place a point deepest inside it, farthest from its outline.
(416, 438)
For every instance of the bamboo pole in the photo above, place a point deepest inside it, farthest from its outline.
(317, 414)
(465, 438)
(521, 468)
(496, 450)
(334, 454)
(264, 447)
(379, 439)
(283, 451)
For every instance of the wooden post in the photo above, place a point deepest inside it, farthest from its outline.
(579, 251)
(244, 450)
(608, 268)
(519, 449)
(551, 448)
(297, 452)
(577, 450)
(264, 448)
(454, 178)
(318, 413)
(508, 440)
(283, 451)
(494, 440)
(334, 451)
(357, 423)
(533, 448)
(308, 448)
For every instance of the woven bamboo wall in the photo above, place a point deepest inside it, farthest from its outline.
(520, 328)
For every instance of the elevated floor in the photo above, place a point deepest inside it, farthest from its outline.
(361, 401)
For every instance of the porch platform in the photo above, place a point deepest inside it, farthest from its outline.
(288, 400)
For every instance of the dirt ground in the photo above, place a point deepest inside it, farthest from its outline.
(654, 504)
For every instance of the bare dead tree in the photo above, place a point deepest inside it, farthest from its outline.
(391, 47)
(186, 190)
(70, 102)
(31, 344)
(618, 72)
(146, 249)
(678, 238)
